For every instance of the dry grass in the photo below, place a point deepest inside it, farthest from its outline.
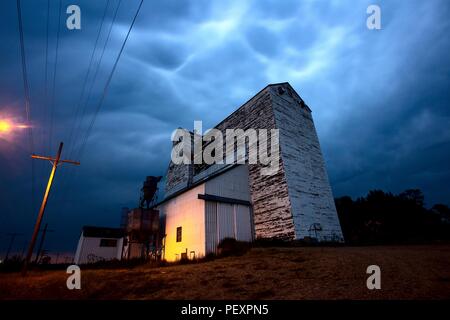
(408, 272)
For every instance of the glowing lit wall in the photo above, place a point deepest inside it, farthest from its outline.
(188, 212)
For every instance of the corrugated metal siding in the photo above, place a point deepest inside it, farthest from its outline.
(231, 184)
(211, 226)
(243, 223)
(223, 220)
(225, 217)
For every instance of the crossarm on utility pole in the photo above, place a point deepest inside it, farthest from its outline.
(54, 159)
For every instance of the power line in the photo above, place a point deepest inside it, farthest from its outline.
(84, 108)
(75, 112)
(68, 175)
(24, 66)
(44, 103)
(46, 68)
(27, 98)
(65, 175)
(80, 151)
(54, 76)
(105, 89)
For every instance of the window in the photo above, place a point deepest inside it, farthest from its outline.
(179, 234)
(108, 243)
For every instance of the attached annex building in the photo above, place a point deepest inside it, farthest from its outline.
(203, 205)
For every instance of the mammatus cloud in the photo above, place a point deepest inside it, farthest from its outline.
(379, 97)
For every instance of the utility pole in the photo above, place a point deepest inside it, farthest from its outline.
(44, 232)
(55, 162)
(11, 242)
(23, 249)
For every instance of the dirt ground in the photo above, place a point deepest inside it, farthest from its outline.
(407, 272)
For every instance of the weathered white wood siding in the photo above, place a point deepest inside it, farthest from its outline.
(309, 190)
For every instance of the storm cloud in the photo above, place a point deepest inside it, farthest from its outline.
(380, 98)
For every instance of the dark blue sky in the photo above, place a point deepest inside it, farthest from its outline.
(380, 98)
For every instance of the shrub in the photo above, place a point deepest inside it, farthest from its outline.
(232, 247)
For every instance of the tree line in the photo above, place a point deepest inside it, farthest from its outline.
(383, 218)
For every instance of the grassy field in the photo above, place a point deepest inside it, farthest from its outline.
(407, 272)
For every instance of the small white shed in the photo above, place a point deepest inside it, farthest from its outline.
(99, 244)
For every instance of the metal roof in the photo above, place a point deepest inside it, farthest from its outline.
(102, 232)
